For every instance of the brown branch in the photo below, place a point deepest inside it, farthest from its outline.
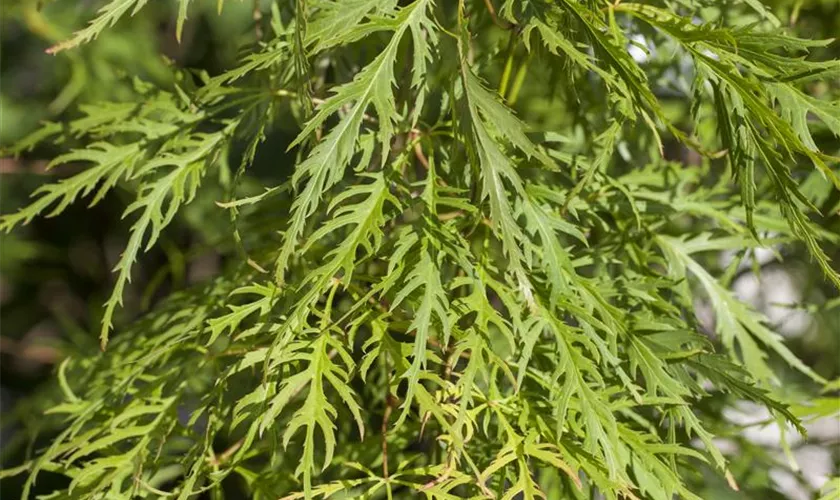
(502, 23)
(14, 166)
(42, 354)
(418, 149)
(217, 460)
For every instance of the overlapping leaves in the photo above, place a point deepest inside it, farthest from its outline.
(522, 307)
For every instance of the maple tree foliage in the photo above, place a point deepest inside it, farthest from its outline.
(480, 277)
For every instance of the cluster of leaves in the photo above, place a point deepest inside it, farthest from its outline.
(443, 299)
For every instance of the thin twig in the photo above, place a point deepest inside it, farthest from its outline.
(418, 152)
(257, 15)
(218, 460)
(450, 215)
(502, 23)
(390, 402)
(42, 354)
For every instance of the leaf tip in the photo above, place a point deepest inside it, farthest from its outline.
(730, 479)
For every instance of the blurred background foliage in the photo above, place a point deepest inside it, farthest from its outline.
(55, 273)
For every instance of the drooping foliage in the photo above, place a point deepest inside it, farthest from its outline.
(480, 276)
